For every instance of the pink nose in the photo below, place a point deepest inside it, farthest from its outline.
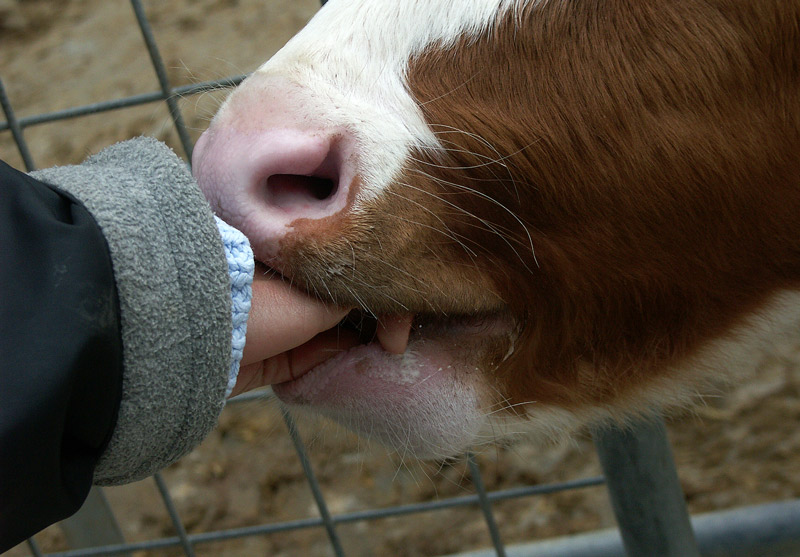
(263, 181)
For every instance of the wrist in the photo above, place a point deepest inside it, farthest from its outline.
(240, 269)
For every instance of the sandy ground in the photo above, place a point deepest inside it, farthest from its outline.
(741, 448)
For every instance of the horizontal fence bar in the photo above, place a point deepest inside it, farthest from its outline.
(771, 529)
(372, 514)
(125, 102)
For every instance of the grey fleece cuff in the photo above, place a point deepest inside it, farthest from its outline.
(175, 302)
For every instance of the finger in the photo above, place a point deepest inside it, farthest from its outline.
(294, 363)
(282, 318)
(321, 348)
(251, 376)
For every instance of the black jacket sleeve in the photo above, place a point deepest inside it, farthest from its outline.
(115, 327)
(60, 354)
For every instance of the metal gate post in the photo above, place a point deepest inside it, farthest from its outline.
(94, 524)
(644, 490)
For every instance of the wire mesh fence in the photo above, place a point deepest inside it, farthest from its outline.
(95, 532)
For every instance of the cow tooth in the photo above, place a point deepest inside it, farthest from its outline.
(393, 332)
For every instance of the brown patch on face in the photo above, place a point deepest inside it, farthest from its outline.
(390, 256)
(651, 151)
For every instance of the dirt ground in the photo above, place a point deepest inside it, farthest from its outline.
(742, 447)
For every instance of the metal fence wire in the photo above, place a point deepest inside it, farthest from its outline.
(638, 467)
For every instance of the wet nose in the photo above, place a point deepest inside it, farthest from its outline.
(262, 181)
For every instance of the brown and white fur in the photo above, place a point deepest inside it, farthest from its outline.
(580, 209)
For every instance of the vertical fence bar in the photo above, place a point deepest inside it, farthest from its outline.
(94, 524)
(173, 514)
(312, 482)
(16, 130)
(477, 480)
(161, 73)
(34, 547)
(645, 492)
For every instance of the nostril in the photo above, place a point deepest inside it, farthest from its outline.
(291, 190)
(296, 188)
(271, 182)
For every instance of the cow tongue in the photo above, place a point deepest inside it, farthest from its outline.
(393, 331)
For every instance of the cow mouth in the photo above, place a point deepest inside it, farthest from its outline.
(429, 401)
(397, 349)
(395, 332)
(416, 382)
(391, 332)
(395, 335)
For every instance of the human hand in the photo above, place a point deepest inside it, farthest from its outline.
(288, 333)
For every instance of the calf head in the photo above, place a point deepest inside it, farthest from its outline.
(557, 211)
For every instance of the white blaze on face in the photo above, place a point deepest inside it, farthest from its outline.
(348, 71)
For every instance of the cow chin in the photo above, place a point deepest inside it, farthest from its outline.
(439, 396)
(427, 402)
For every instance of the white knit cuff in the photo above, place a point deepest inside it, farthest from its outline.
(240, 268)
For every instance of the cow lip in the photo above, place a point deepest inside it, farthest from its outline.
(444, 356)
(391, 331)
(394, 332)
